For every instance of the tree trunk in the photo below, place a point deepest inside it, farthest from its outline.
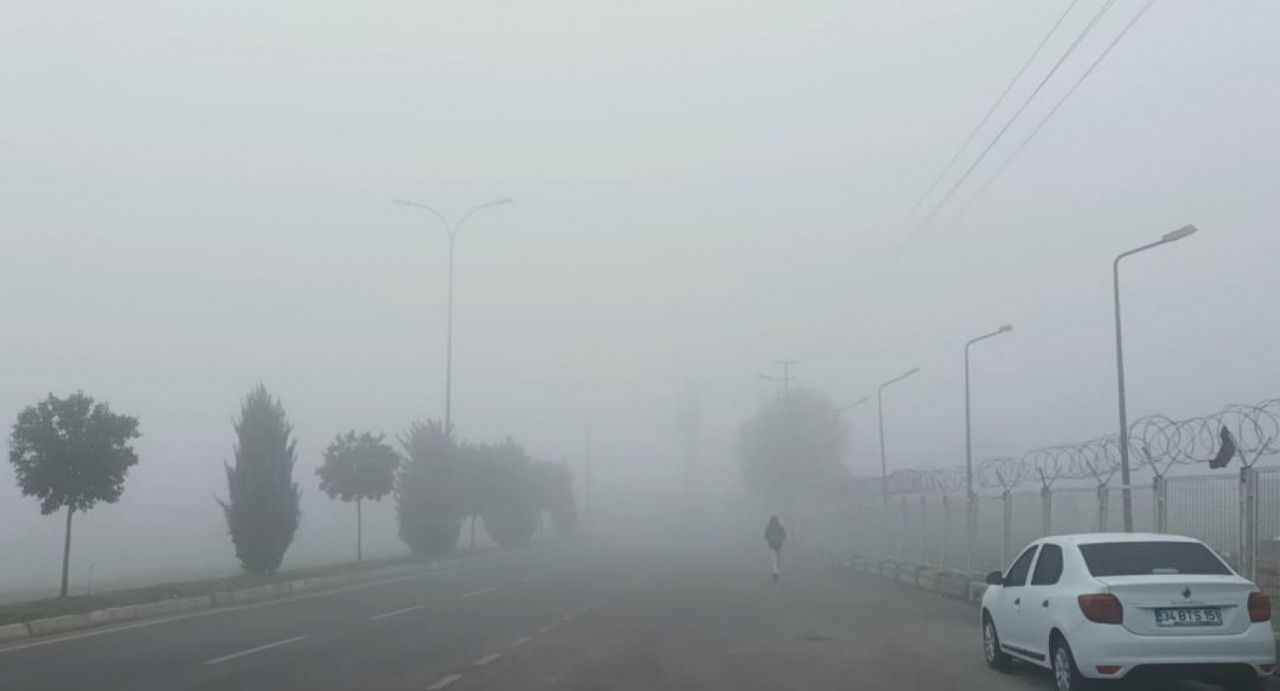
(359, 532)
(66, 554)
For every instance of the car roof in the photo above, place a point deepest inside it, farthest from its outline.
(1094, 538)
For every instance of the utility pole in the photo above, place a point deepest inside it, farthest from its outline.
(586, 475)
(689, 427)
(786, 373)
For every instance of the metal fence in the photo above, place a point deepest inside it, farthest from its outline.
(922, 516)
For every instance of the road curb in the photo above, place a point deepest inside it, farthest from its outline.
(37, 628)
(947, 582)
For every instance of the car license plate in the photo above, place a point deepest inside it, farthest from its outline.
(1188, 616)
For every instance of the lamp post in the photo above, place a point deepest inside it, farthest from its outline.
(1127, 496)
(971, 514)
(884, 475)
(452, 229)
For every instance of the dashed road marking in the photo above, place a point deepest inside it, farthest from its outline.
(476, 593)
(251, 651)
(215, 611)
(521, 641)
(491, 657)
(393, 613)
(444, 681)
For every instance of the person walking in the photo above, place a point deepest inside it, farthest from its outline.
(775, 534)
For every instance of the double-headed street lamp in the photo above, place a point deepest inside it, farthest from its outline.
(971, 514)
(884, 474)
(1127, 495)
(452, 229)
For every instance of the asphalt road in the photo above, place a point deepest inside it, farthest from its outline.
(581, 617)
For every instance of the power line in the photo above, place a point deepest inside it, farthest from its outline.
(999, 135)
(990, 111)
(1056, 106)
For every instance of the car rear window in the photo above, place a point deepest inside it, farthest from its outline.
(1145, 558)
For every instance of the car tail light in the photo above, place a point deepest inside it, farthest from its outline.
(1108, 669)
(1103, 608)
(1259, 606)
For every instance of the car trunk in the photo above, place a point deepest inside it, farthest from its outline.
(1142, 596)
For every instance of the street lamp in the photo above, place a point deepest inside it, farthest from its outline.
(971, 515)
(452, 229)
(884, 475)
(1171, 236)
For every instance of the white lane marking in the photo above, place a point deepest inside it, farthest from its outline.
(444, 681)
(547, 629)
(250, 651)
(487, 659)
(393, 613)
(521, 641)
(476, 593)
(213, 612)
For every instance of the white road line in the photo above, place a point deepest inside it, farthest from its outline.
(547, 629)
(479, 592)
(213, 612)
(444, 681)
(487, 659)
(250, 651)
(393, 613)
(521, 641)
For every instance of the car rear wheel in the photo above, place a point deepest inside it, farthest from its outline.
(996, 658)
(1066, 676)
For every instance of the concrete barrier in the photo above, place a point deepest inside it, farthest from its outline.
(67, 622)
(953, 584)
(14, 632)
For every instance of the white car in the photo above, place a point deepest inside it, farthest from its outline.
(1128, 605)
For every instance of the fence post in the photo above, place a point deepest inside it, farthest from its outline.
(971, 527)
(946, 530)
(1104, 493)
(1046, 511)
(1008, 527)
(1160, 488)
(1249, 521)
(902, 538)
(924, 530)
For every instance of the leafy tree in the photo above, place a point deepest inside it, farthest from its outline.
(793, 446)
(262, 499)
(358, 467)
(430, 490)
(72, 452)
(509, 506)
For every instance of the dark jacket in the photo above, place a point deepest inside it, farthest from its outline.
(774, 533)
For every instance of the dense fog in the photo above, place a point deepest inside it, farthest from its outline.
(197, 201)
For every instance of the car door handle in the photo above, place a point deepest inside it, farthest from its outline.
(1044, 604)
(1017, 601)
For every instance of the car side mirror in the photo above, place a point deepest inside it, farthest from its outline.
(995, 578)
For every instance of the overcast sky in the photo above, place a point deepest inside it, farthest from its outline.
(194, 200)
